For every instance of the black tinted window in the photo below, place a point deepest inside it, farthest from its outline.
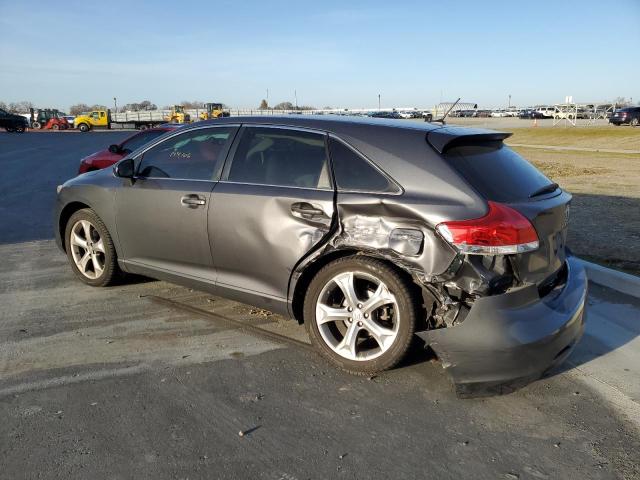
(355, 173)
(277, 156)
(140, 139)
(497, 172)
(192, 155)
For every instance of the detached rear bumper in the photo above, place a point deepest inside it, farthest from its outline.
(509, 340)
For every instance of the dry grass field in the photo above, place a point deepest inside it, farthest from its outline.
(605, 223)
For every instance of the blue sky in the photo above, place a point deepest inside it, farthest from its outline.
(333, 53)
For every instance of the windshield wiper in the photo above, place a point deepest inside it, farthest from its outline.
(552, 187)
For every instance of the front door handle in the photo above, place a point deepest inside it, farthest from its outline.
(192, 201)
(306, 210)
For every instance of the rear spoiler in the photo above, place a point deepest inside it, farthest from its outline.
(442, 139)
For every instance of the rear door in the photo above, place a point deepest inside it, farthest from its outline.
(501, 175)
(275, 202)
(161, 216)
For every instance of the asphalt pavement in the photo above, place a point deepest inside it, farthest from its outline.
(150, 380)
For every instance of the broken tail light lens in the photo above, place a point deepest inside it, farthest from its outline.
(502, 231)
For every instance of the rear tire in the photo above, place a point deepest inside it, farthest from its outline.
(635, 122)
(357, 334)
(90, 249)
(55, 127)
(36, 125)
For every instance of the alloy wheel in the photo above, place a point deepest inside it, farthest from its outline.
(87, 249)
(357, 316)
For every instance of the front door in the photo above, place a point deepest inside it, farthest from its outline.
(274, 204)
(161, 216)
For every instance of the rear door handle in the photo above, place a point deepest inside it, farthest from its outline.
(192, 200)
(306, 210)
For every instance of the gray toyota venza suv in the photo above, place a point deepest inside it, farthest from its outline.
(369, 231)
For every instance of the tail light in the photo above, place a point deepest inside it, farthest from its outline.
(502, 231)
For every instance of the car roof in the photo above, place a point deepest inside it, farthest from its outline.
(323, 122)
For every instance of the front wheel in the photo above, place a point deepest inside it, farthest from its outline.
(90, 249)
(83, 127)
(360, 314)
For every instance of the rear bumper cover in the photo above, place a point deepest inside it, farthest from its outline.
(508, 340)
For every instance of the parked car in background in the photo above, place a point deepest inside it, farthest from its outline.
(12, 122)
(394, 115)
(328, 220)
(530, 113)
(545, 111)
(114, 153)
(483, 113)
(499, 113)
(627, 115)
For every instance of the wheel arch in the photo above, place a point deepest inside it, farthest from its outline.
(64, 217)
(310, 271)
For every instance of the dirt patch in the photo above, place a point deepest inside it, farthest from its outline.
(605, 214)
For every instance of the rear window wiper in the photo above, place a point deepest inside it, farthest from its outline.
(552, 187)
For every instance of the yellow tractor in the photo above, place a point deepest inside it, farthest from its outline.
(178, 115)
(214, 110)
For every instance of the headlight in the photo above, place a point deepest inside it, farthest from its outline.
(58, 188)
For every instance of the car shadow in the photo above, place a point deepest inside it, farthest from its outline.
(612, 322)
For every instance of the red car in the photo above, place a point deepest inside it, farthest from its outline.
(106, 158)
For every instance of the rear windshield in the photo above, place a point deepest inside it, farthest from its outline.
(497, 172)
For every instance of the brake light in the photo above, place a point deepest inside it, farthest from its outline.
(502, 231)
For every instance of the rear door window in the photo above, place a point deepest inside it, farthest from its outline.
(355, 173)
(497, 172)
(281, 157)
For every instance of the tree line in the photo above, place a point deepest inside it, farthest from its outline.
(264, 105)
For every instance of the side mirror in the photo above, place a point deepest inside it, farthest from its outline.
(114, 148)
(124, 169)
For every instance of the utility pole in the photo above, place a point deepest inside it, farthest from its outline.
(378, 101)
(295, 93)
(115, 105)
(509, 100)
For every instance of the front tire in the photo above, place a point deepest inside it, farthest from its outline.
(83, 127)
(90, 249)
(360, 315)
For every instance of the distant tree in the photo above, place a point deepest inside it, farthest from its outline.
(263, 105)
(97, 107)
(328, 108)
(20, 107)
(285, 106)
(79, 108)
(4, 106)
(192, 104)
(622, 102)
(306, 107)
(142, 106)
